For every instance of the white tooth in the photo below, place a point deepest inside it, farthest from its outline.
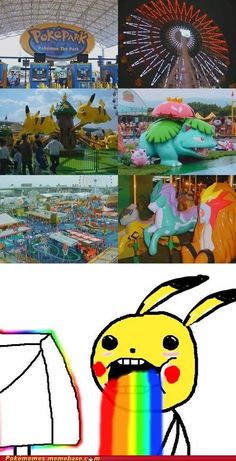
(126, 362)
(134, 361)
(141, 362)
(120, 361)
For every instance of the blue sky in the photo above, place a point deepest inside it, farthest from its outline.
(13, 102)
(222, 97)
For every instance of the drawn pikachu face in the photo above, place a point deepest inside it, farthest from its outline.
(159, 341)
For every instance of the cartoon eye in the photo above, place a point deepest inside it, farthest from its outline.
(170, 342)
(109, 343)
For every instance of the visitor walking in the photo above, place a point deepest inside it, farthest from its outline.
(12, 79)
(55, 147)
(17, 158)
(217, 124)
(108, 77)
(4, 156)
(228, 126)
(41, 163)
(27, 154)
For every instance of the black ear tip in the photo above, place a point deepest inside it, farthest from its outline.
(227, 295)
(202, 278)
(185, 283)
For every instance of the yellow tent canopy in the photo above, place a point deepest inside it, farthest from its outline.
(208, 118)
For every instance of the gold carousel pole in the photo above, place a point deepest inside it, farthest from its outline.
(232, 113)
(135, 189)
(189, 183)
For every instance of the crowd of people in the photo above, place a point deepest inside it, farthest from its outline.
(30, 157)
(133, 128)
(223, 126)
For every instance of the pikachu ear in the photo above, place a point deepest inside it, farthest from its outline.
(91, 99)
(210, 304)
(168, 289)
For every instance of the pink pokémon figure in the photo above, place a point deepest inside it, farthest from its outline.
(139, 158)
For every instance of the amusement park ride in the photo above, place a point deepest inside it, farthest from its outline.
(184, 74)
(211, 225)
(169, 43)
(61, 121)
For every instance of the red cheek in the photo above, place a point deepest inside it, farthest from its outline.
(172, 374)
(99, 369)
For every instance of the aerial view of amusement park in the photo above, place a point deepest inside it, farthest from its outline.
(70, 44)
(173, 131)
(177, 44)
(177, 219)
(46, 132)
(68, 220)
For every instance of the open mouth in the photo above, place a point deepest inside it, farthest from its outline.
(203, 151)
(124, 366)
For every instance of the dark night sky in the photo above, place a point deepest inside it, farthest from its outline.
(223, 13)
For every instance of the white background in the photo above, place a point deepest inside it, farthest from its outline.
(78, 301)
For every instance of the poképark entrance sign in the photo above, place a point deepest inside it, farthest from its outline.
(57, 41)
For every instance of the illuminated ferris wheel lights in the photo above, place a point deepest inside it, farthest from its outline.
(214, 65)
(145, 60)
(130, 33)
(157, 47)
(218, 61)
(132, 42)
(134, 52)
(180, 20)
(142, 31)
(145, 72)
(160, 75)
(139, 41)
(185, 33)
(142, 20)
(132, 24)
(140, 61)
(214, 68)
(150, 68)
(209, 71)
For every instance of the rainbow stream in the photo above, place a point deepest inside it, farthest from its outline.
(131, 415)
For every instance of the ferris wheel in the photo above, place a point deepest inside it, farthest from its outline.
(168, 43)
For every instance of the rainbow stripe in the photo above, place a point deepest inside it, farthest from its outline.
(131, 415)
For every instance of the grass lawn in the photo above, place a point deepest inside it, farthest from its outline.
(166, 170)
(212, 155)
(147, 170)
(103, 162)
